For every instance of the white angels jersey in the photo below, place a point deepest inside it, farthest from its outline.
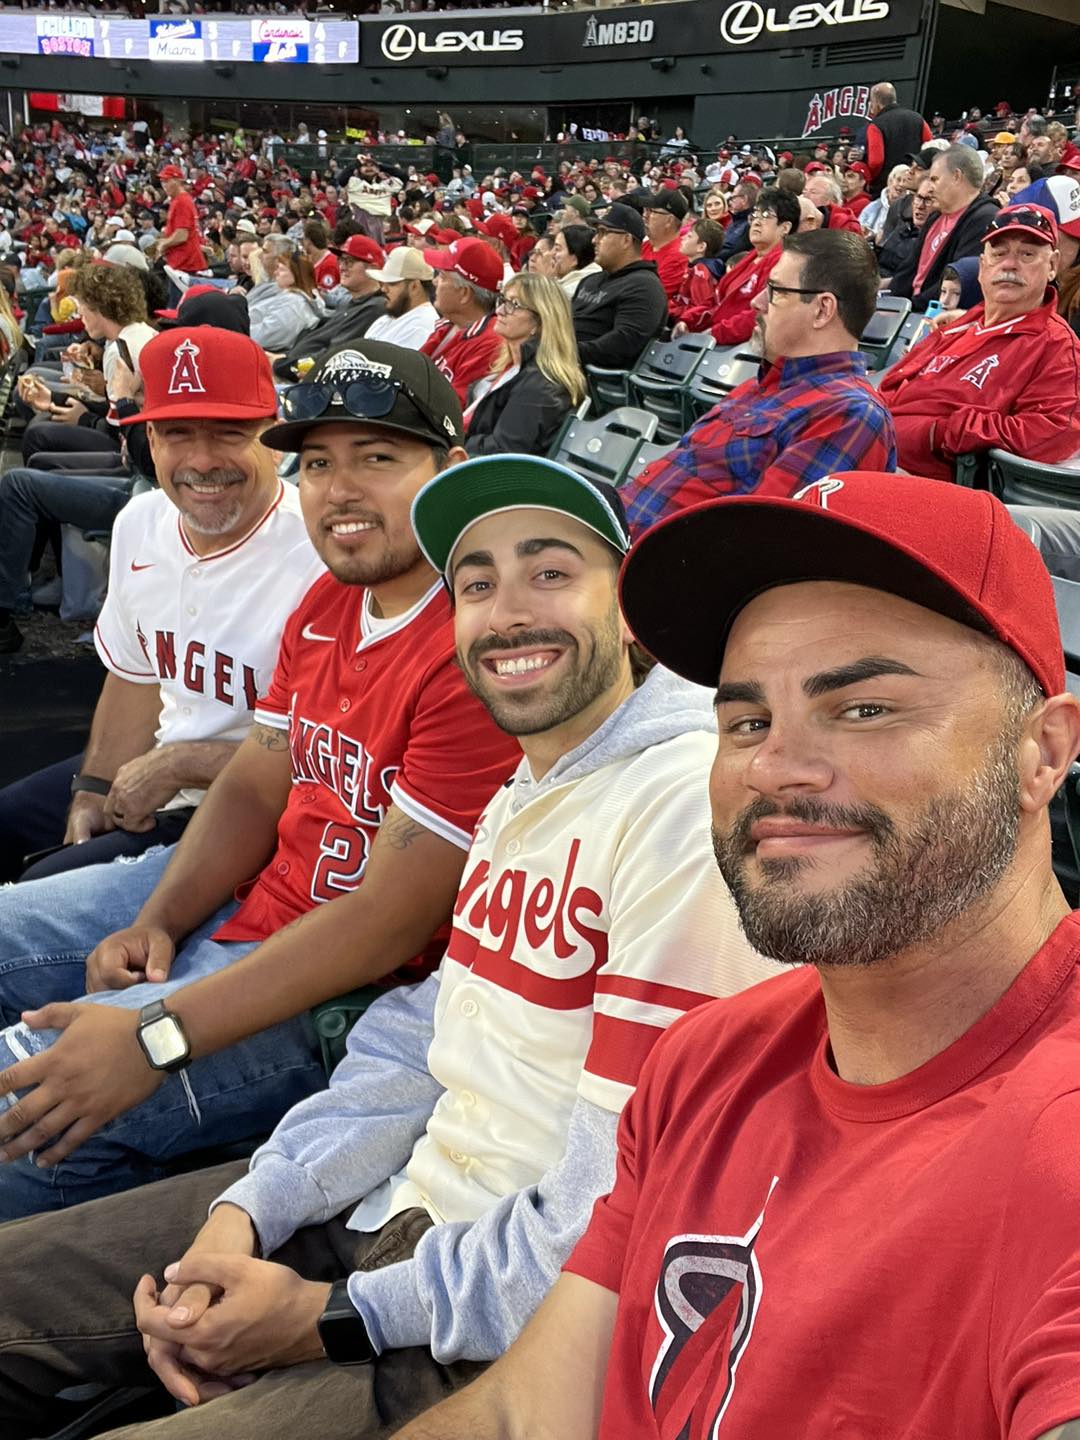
(206, 628)
(588, 920)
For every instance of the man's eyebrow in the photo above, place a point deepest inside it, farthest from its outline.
(743, 692)
(868, 668)
(474, 557)
(524, 548)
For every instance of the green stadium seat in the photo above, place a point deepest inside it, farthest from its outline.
(718, 373)
(659, 381)
(1035, 482)
(604, 448)
(333, 1020)
(607, 388)
(883, 330)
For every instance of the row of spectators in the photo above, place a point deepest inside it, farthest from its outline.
(389, 727)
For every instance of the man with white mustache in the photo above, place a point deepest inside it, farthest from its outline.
(1005, 374)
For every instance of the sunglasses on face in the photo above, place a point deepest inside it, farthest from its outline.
(368, 398)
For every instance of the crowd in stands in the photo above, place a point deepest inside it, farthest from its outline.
(538, 781)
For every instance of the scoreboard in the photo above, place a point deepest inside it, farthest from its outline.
(182, 39)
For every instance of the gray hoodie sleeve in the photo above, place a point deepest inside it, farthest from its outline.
(471, 1286)
(339, 1144)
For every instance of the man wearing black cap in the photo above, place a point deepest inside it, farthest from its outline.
(436, 1188)
(664, 213)
(845, 1200)
(326, 854)
(619, 311)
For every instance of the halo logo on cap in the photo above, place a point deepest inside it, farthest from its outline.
(185, 377)
(819, 491)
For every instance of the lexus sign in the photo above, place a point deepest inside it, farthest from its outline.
(746, 20)
(401, 42)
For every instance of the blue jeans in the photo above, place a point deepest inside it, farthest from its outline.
(47, 929)
(29, 498)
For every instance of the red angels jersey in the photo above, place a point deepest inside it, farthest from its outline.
(377, 714)
(463, 356)
(327, 272)
(204, 628)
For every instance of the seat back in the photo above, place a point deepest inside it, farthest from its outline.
(673, 361)
(911, 331)
(645, 456)
(604, 448)
(607, 388)
(718, 373)
(883, 329)
(1031, 482)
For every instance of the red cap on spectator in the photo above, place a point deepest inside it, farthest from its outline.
(815, 168)
(472, 260)
(785, 155)
(1070, 157)
(751, 179)
(860, 169)
(953, 550)
(203, 373)
(171, 172)
(432, 179)
(475, 208)
(361, 247)
(1023, 219)
(500, 227)
(530, 192)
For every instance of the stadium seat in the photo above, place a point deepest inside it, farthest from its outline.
(883, 330)
(909, 334)
(607, 388)
(645, 456)
(604, 448)
(718, 373)
(658, 382)
(1035, 482)
(333, 1020)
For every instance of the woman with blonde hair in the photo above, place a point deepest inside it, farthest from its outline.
(11, 335)
(537, 378)
(715, 207)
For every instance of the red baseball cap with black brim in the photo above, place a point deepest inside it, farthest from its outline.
(950, 549)
(204, 373)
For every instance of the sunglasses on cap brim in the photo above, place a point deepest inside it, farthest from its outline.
(1029, 219)
(367, 398)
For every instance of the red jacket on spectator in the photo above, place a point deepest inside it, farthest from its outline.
(839, 217)
(519, 249)
(856, 204)
(732, 321)
(696, 300)
(463, 356)
(1014, 386)
(670, 265)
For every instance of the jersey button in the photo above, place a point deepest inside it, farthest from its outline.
(469, 1008)
(467, 1098)
(344, 705)
(191, 610)
(458, 1158)
(513, 846)
(360, 665)
(196, 573)
(282, 867)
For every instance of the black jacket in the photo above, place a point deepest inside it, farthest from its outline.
(616, 316)
(350, 322)
(901, 133)
(736, 236)
(966, 239)
(521, 417)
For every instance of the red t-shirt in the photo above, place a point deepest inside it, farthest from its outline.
(807, 1257)
(376, 717)
(939, 231)
(188, 256)
(670, 264)
(327, 272)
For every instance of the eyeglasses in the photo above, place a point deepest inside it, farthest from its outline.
(774, 289)
(1032, 219)
(509, 306)
(762, 214)
(367, 398)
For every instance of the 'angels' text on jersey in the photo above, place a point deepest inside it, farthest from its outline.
(202, 669)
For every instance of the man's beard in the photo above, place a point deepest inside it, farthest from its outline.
(531, 712)
(372, 568)
(919, 879)
(212, 517)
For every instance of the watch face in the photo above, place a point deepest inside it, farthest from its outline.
(164, 1041)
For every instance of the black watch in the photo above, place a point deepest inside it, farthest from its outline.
(162, 1038)
(342, 1330)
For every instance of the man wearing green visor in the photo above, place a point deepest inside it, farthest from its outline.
(420, 1208)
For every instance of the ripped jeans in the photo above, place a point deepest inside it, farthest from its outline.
(47, 930)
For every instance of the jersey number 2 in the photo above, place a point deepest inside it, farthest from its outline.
(343, 857)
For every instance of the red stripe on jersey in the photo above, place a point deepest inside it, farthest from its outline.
(139, 674)
(651, 993)
(218, 554)
(619, 1048)
(574, 993)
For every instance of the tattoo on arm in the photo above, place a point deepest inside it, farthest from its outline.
(399, 831)
(1069, 1431)
(269, 738)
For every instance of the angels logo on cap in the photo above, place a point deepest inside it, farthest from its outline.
(819, 491)
(185, 378)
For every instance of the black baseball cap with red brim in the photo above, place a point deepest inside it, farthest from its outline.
(950, 549)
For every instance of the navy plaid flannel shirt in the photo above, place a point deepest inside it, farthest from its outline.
(799, 421)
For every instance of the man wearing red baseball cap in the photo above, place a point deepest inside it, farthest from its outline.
(1005, 374)
(181, 244)
(847, 1195)
(463, 346)
(854, 179)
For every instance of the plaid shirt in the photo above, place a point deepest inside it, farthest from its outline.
(799, 421)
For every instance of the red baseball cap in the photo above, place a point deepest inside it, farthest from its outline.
(472, 260)
(361, 247)
(500, 227)
(203, 373)
(1034, 220)
(171, 172)
(953, 550)
(860, 169)
(815, 168)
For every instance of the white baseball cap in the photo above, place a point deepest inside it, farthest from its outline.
(404, 263)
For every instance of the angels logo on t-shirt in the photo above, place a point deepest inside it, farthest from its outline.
(707, 1299)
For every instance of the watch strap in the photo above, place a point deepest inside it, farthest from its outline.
(342, 1331)
(94, 784)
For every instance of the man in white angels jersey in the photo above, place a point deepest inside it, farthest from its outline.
(419, 1209)
(203, 574)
